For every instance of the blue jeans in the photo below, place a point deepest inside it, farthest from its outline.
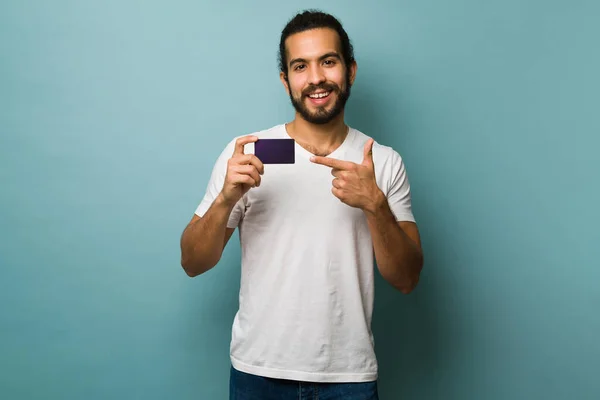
(243, 386)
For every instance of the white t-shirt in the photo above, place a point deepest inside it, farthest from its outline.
(306, 294)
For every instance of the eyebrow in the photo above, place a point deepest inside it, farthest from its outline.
(324, 56)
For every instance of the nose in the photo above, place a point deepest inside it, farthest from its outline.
(316, 76)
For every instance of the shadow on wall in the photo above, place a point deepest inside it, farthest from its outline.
(420, 337)
(409, 329)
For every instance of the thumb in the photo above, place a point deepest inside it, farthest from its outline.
(368, 154)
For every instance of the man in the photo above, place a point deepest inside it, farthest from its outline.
(309, 233)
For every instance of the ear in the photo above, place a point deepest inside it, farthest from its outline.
(353, 68)
(283, 77)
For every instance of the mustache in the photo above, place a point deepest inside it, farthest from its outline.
(324, 87)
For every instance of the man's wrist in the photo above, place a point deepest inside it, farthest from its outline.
(222, 202)
(376, 205)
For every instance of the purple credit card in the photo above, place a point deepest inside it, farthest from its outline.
(275, 151)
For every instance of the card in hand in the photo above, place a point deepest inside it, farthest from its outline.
(275, 151)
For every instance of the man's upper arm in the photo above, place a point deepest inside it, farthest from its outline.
(228, 231)
(398, 191)
(399, 198)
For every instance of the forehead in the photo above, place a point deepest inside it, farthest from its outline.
(312, 43)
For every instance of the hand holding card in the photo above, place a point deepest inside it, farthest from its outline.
(243, 172)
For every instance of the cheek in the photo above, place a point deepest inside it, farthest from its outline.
(338, 76)
(341, 81)
(296, 84)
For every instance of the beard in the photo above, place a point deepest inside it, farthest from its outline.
(322, 114)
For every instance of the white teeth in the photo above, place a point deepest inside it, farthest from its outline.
(319, 95)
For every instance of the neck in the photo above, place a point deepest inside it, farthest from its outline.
(319, 138)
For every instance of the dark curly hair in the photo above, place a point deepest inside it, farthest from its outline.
(313, 19)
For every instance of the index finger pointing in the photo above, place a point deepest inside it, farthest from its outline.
(332, 162)
(241, 142)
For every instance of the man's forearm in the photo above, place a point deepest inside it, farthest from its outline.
(398, 257)
(203, 240)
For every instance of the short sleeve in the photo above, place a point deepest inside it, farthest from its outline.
(215, 185)
(398, 195)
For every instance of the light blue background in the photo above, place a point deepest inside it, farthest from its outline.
(112, 114)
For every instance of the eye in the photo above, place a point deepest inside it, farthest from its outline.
(329, 63)
(298, 67)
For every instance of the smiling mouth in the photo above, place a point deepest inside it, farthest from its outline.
(321, 95)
